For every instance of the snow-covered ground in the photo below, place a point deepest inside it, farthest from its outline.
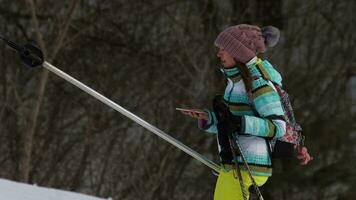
(10, 190)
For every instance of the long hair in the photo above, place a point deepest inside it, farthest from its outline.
(246, 76)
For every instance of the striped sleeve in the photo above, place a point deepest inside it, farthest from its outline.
(270, 122)
(210, 125)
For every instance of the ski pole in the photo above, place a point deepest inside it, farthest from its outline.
(222, 112)
(239, 148)
(33, 56)
(238, 170)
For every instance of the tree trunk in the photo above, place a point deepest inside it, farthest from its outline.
(27, 136)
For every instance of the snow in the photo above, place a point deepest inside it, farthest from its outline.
(10, 190)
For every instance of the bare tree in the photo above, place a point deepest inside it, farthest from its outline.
(153, 56)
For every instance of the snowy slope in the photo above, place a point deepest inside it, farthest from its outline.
(10, 190)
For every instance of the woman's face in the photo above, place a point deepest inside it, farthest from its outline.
(225, 58)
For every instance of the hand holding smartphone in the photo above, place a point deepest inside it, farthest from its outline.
(195, 113)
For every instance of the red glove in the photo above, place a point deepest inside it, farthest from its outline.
(303, 156)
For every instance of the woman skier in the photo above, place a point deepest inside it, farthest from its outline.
(257, 112)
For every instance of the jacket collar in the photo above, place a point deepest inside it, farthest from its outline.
(234, 71)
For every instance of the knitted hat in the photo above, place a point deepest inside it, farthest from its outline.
(244, 41)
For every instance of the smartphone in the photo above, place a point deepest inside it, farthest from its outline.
(191, 110)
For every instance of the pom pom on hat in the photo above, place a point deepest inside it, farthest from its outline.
(271, 35)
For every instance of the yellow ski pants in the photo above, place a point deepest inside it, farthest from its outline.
(228, 186)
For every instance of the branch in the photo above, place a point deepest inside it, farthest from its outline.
(64, 29)
(37, 26)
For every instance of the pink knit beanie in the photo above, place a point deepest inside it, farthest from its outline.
(243, 42)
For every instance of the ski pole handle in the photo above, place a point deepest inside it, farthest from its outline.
(29, 53)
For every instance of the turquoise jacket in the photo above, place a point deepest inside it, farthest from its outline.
(261, 125)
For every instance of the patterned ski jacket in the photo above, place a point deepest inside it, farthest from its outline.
(260, 122)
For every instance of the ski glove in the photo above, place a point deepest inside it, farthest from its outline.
(227, 122)
(231, 125)
(227, 125)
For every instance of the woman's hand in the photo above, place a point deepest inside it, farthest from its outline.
(304, 156)
(194, 113)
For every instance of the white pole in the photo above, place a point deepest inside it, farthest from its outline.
(133, 117)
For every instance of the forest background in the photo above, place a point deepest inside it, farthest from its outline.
(151, 57)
